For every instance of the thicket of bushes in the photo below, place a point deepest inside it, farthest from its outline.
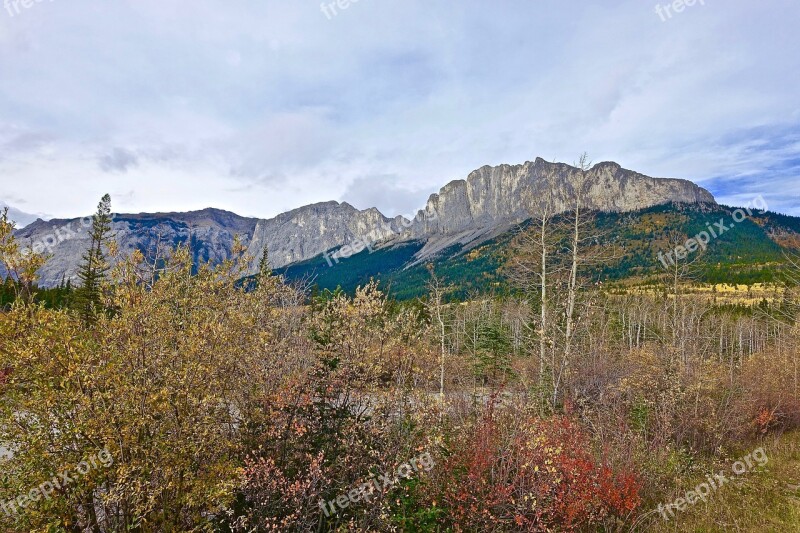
(240, 407)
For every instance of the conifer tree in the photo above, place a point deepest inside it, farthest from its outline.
(94, 266)
(264, 268)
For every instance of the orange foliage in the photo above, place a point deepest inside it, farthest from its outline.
(532, 475)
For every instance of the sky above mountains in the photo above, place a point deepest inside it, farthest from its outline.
(261, 106)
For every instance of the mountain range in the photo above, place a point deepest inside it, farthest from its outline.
(465, 214)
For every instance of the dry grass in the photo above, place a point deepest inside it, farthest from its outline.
(720, 293)
(767, 500)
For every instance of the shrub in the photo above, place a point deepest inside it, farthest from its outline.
(531, 475)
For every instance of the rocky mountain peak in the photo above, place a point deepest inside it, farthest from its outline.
(511, 193)
(493, 198)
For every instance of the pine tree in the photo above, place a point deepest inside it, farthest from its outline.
(94, 266)
(264, 268)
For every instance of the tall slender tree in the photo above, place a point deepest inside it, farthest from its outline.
(530, 269)
(437, 291)
(88, 298)
(580, 219)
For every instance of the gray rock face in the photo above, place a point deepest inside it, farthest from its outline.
(493, 196)
(488, 202)
(311, 230)
(492, 199)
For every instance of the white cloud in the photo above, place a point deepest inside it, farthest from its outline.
(386, 192)
(259, 107)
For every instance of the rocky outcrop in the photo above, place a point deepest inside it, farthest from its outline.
(493, 196)
(492, 199)
(311, 230)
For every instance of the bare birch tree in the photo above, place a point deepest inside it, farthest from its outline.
(436, 293)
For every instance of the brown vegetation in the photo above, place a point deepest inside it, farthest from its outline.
(232, 405)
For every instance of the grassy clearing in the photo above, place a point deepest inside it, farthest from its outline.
(718, 294)
(765, 500)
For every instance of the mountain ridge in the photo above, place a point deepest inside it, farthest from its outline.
(489, 201)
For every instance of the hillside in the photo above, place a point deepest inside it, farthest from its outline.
(747, 253)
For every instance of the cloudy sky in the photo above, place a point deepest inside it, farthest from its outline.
(260, 106)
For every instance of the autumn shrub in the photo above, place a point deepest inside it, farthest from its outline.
(320, 446)
(169, 383)
(669, 403)
(512, 473)
(347, 417)
(320, 441)
(770, 396)
(277, 499)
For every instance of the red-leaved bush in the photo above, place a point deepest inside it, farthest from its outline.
(531, 475)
